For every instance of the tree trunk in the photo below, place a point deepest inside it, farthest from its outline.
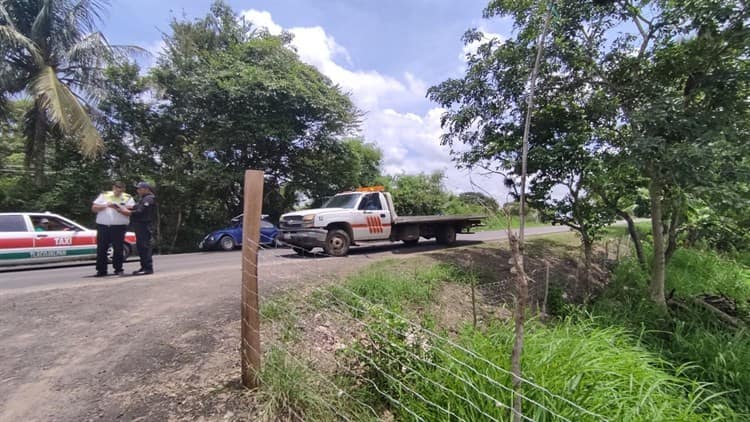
(587, 244)
(674, 222)
(658, 266)
(522, 287)
(176, 231)
(635, 237)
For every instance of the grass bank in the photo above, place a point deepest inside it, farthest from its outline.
(403, 340)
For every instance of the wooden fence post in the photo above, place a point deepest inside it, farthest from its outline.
(250, 327)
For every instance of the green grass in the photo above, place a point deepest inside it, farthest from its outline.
(692, 272)
(606, 364)
(276, 309)
(621, 358)
(500, 222)
(709, 350)
(282, 313)
(290, 390)
(602, 370)
(396, 284)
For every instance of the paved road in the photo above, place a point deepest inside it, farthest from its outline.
(156, 347)
(30, 279)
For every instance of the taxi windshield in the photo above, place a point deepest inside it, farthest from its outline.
(347, 200)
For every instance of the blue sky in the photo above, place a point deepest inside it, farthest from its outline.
(386, 53)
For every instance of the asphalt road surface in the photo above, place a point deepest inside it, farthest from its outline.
(22, 279)
(156, 347)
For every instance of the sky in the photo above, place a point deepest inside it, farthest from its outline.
(385, 53)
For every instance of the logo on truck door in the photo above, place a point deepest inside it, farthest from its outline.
(374, 225)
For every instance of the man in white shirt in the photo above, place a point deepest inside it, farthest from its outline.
(112, 210)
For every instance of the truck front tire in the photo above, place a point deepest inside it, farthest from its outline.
(337, 243)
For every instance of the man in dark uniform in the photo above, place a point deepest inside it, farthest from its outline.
(141, 219)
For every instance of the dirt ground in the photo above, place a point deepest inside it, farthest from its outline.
(166, 348)
(135, 348)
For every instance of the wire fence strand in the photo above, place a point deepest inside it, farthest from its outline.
(303, 263)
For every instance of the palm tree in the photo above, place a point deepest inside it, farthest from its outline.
(54, 54)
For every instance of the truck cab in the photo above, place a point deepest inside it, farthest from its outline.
(344, 219)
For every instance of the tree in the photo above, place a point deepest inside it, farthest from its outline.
(350, 164)
(54, 53)
(479, 199)
(222, 99)
(420, 194)
(665, 94)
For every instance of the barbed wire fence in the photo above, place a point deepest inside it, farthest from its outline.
(402, 391)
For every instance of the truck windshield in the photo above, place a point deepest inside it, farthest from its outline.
(348, 200)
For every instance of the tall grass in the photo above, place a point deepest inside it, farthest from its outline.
(499, 221)
(397, 285)
(601, 370)
(693, 272)
(690, 337)
(290, 390)
(599, 364)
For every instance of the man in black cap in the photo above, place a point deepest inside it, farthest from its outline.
(141, 218)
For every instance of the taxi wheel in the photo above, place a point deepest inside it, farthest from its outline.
(226, 243)
(126, 251)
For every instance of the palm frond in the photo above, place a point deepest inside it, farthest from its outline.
(42, 23)
(63, 109)
(5, 16)
(85, 14)
(4, 106)
(10, 37)
(92, 51)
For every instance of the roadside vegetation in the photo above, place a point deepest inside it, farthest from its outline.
(411, 343)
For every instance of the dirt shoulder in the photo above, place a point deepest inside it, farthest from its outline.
(149, 348)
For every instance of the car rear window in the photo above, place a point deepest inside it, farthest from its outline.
(12, 223)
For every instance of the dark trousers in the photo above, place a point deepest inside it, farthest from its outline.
(105, 236)
(143, 243)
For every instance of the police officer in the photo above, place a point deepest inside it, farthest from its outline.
(112, 210)
(141, 217)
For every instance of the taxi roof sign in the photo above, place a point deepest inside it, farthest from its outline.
(371, 189)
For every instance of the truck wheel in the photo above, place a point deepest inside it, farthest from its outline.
(411, 242)
(226, 243)
(337, 243)
(447, 235)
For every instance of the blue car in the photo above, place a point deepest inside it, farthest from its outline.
(230, 237)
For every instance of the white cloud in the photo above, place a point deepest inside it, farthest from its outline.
(148, 59)
(410, 141)
(473, 46)
(261, 19)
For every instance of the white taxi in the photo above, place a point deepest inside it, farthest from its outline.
(31, 238)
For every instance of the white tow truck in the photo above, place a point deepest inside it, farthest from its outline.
(366, 215)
